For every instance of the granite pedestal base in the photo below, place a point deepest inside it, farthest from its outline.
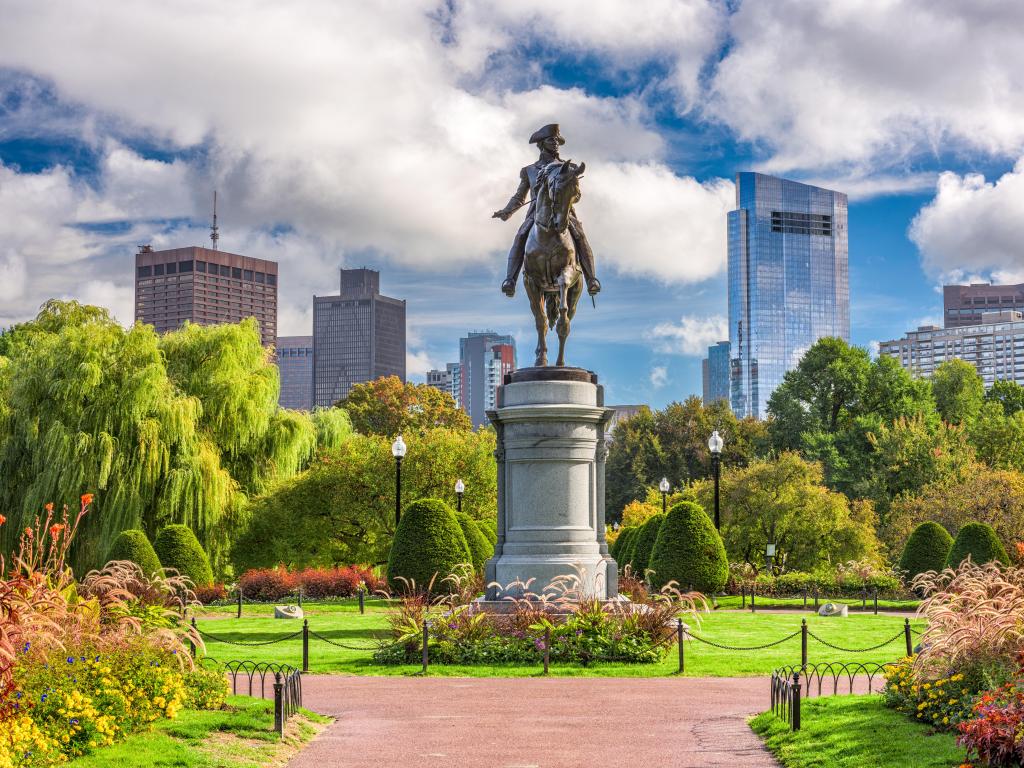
(550, 424)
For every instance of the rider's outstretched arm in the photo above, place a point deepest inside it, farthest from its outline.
(517, 201)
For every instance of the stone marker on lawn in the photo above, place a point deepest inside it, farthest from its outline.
(288, 612)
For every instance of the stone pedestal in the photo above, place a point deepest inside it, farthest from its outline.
(551, 455)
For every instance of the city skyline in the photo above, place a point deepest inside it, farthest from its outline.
(398, 161)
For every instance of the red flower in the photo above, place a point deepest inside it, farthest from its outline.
(49, 507)
(2, 519)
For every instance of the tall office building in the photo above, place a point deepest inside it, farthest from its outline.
(441, 380)
(358, 336)
(205, 287)
(965, 304)
(715, 370)
(295, 366)
(484, 360)
(788, 281)
(994, 346)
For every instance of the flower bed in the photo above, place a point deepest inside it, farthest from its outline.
(275, 584)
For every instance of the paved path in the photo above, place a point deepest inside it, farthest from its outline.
(437, 722)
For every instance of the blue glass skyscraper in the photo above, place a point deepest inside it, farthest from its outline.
(789, 281)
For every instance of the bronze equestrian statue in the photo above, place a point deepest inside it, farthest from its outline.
(551, 242)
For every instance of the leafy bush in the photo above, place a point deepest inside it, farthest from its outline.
(621, 546)
(689, 551)
(994, 732)
(205, 688)
(429, 545)
(480, 549)
(276, 584)
(978, 541)
(644, 546)
(134, 546)
(927, 549)
(178, 548)
(489, 528)
(942, 702)
(212, 594)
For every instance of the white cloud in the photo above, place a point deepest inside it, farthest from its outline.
(691, 336)
(972, 226)
(869, 84)
(659, 376)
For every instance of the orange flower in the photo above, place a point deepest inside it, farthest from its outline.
(55, 530)
(86, 499)
(28, 532)
(2, 519)
(48, 507)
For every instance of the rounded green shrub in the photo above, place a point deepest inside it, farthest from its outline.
(133, 545)
(429, 542)
(927, 549)
(644, 545)
(623, 544)
(489, 528)
(480, 549)
(689, 551)
(980, 542)
(178, 548)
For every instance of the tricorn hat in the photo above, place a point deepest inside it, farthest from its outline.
(549, 131)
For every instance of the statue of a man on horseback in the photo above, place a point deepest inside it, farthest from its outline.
(551, 242)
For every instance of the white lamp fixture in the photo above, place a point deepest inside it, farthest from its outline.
(769, 550)
(663, 486)
(460, 487)
(715, 443)
(398, 448)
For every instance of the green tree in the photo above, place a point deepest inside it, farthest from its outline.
(998, 439)
(979, 542)
(783, 501)
(635, 460)
(428, 546)
(959, 392)
(927, 550)
(689, 551)
(342, 510)
(163, 430)
(389, 407)
(1009, 394)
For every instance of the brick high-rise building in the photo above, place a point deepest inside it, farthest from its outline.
(358, 336)
(965, 304)
(205, 287)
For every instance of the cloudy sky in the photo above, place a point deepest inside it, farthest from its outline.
(384, 134)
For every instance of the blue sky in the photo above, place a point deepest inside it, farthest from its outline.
(363, 134)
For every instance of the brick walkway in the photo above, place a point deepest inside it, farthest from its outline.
(438, 722)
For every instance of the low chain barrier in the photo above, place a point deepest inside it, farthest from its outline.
(299, 594)
(285, 681)
(813, 597)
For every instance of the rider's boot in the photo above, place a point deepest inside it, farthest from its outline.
(586, 259)
(515, 263)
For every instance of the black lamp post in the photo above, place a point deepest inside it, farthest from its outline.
(664, 487)
(715, 443)
(769, 552)
(460, 488)
(398, 451)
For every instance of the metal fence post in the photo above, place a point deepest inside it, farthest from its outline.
(239, 602)
(815, 598)
(906, 634)
(753, 590)
(300, 595)
(864, 599)
(426, 652)
(803, 644)
(796, 701)
(191, 642)
(805, 598)
(278, 705)
(682, 651)
(743, 596)
(547, 648)
(362, 600)
(876, 601)
(305, 645)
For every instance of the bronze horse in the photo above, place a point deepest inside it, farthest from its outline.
(553, 277)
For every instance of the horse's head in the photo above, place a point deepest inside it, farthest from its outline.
(563, 187)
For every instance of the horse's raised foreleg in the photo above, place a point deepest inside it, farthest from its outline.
(540, 318)
(562, 326)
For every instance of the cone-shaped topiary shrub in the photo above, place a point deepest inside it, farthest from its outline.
(927, 549)
(429, 541)
(489, 528)
(178, 548)
(980, 542)
(624, 544)
(689, 550)
(644, 545)
(133, 545)
(480, 549)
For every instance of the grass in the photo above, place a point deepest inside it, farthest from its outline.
(855, 603)
(240, 736)
(734, 628)
(856, 731)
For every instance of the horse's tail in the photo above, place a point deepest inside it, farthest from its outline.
(551, 305)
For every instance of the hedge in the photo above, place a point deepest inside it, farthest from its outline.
(178, 548)
(644, 546)
(428, 545)
(276, 584)
(689, 551)
(980, 542)
(480, 549)
(133, 545)
(927, 549)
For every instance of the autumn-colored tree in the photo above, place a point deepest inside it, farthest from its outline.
(389, 407)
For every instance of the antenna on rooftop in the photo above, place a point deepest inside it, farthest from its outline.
(214, 234)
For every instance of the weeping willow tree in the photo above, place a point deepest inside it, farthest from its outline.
(178, 429)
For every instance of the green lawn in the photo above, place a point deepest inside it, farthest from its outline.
(856, 604)
(734, 628)
(240, 736)
(853, 732)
